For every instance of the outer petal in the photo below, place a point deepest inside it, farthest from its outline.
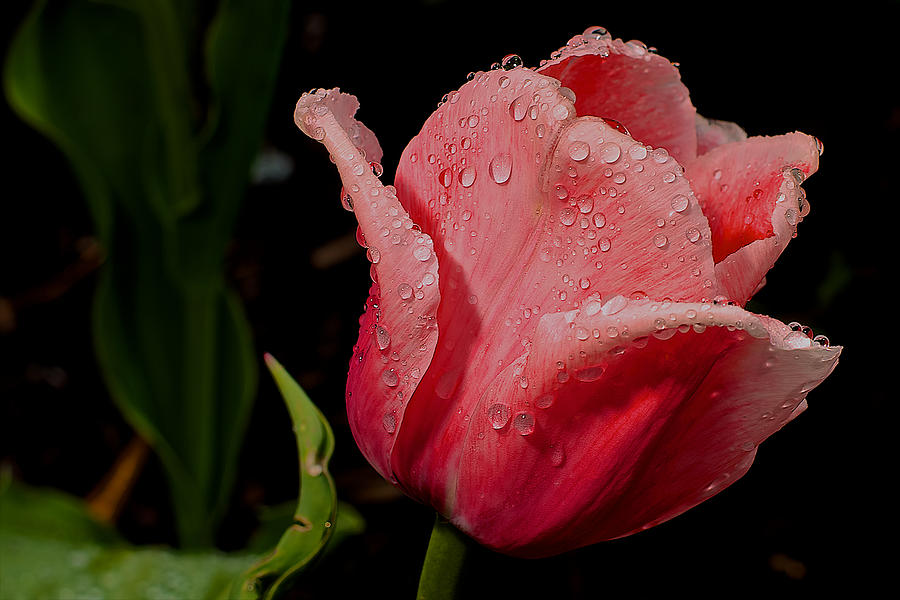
(712, 133)
(750, 192)
(621, 398)
(398, 331)
(533, 211)
(626, 82)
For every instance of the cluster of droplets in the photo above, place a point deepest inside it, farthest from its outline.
(802, 336)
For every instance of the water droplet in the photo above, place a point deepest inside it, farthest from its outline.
(693, 235)
(390, 378)
(382, 337)
(604, 244)
(610, 152)
(511, 61)
(660, 240)
(519, 107)
(524, 423)
(637, 152)
(588, 374)
(422, 252)
(614, 305)
(567, 216)
(405, 290)
(499, 415)
(446, 177)
(579, 150)
(500, 167)
(599, 219)
(680, 203)
(822, 340)
(389, 422)
(584, 283)
(467, 176)
(616, 125)
(545, 401)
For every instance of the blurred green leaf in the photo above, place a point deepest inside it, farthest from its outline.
(315, 515)
(108, 82)
(51, 548)
(46, 513)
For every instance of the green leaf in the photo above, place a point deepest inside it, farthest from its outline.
(108, 82)
(315, 516)
(51, 548)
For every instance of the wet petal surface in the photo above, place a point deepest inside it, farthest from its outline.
(612, 408)
(750, 193)
(398, 331)
(625, 82)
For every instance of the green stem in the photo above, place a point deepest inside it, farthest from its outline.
(443, 562)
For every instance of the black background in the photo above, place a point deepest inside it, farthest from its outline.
(819, 494)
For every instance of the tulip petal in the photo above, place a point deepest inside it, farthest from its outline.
(612, 409)
(750, 193)
(399, 330)
(712, 133)
(485, 177)
(626, 82)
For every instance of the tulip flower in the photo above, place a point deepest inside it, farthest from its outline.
(554, 351)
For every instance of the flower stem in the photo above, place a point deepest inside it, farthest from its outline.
(443, 562)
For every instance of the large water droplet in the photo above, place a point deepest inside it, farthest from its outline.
(545, 401)
(511, 61)
(587, 374)
(500, 167)
(390, 378)
(382, 337)
(422, 252)
(519, 107)
(524, 423)
(499, 415)
(405, 290)
(579, 150)
(680, 203)
(610, 152)
(567, 216)
(467, 176)
(389, 422)
(446, 177)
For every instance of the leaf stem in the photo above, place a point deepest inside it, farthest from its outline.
(444, 561)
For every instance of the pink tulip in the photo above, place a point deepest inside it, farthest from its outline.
(554, 351)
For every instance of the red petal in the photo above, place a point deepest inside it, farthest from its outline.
(398, 331)
(633, 413)
(626, 82)
(750, 192)
(483, 178)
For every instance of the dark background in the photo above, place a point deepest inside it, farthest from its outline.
(816, 511)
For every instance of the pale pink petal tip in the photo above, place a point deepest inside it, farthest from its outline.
(315, 104)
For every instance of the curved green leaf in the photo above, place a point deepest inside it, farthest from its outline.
(316, 513)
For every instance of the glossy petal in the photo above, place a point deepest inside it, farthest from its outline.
(613, 409)
(578, 209)
(712, 133)
(750, 192)
(398, 331)
(624, 81)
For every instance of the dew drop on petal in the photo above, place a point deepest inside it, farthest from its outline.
(579, 150)
(545, 401)
(405, 290)
(588, 374)
(390, 378)
(610, 152)
(680, 203)
(389, 422)
(382, 337)
(500, 167)
(445, 177)
(523, 423)
(567, 216)
(422, 252)
(693, 235)
(499, 415)
(467, 176)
